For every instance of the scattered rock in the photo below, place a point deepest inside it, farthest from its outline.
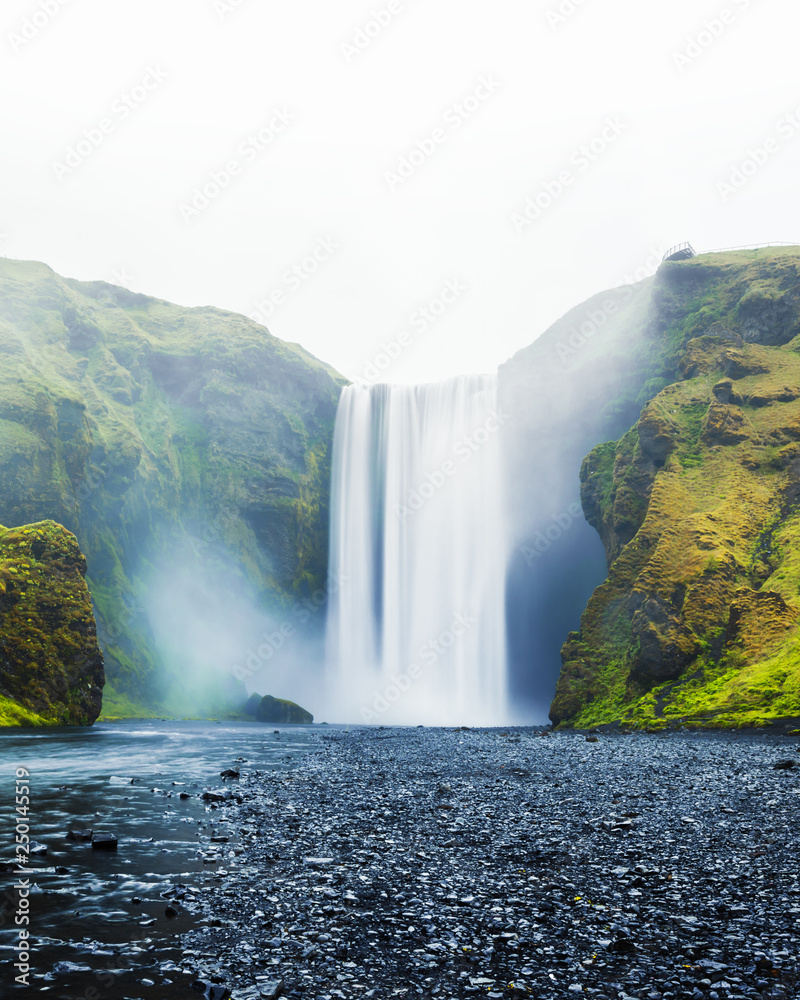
(79, 834)
(662, 867)
(66, 968)
(211, 991)
(104, 842)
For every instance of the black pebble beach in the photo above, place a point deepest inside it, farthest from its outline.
(517, 863)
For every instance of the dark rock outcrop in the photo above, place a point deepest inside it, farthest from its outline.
(280, 711)
(51, 667)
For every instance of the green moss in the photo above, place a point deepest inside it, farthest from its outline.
(281, 711)
(602, 466)
(690, 420)
(753, 292)
(13, 714)
(50, 663)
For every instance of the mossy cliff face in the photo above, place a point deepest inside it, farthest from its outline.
(51, 667)
(152, 431)
(699, 618)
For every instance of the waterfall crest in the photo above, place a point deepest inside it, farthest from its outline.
(416, 623)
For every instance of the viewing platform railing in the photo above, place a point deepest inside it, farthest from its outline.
(685, 251)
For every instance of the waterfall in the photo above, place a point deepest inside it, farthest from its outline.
(416, 623)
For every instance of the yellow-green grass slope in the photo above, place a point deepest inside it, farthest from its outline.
(51, 668)
(699, 619)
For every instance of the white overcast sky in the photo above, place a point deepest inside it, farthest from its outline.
(556, 80)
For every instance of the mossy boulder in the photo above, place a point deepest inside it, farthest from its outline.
(280, 711)
(162, 436)
(51, 667)
(251, 705)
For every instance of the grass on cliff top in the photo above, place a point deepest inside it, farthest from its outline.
(130, 316)
(759, 256)
(724, 288)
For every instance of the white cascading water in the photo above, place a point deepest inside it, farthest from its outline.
(416, 623)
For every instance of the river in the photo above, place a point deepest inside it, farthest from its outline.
(101, 919)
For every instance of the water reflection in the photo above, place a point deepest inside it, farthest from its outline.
(109, 921)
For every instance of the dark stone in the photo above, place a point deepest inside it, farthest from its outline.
(210, 990)
(104, 842)
(665, 644)
(79, 834)
(725, 393)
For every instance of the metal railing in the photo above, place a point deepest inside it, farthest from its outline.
(752, 246)
(685, 251)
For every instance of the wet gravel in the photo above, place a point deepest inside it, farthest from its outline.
(442, 863)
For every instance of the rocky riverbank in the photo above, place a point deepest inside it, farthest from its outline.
(432, 863)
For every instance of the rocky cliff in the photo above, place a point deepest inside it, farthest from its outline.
(170, 441)
(51, 667)
(697, 507)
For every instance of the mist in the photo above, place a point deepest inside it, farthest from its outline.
(575, 387)
(221, 640)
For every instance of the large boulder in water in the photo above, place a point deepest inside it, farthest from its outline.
(278, 710)
(252, 703)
